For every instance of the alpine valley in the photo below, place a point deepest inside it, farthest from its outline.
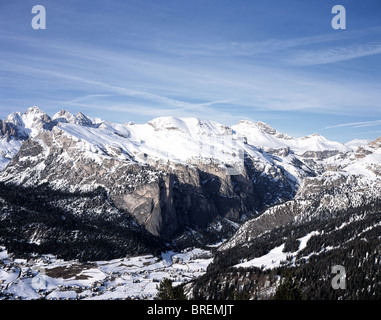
(226, 212)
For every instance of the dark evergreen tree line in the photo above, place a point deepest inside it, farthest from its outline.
(39, 213)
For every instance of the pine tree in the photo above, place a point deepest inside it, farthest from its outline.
(288, 289)
(166, 291)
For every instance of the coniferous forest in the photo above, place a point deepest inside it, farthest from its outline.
(356, 246)
(53, 218)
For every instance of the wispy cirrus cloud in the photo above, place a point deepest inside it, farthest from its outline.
(370, 132)
(331, 55)
(356, 124)
(252, 48)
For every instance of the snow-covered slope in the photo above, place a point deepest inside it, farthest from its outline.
(366, 161)
(8, 148)
(355, 143)
(316, 142)
(178, 140)
(263, 136)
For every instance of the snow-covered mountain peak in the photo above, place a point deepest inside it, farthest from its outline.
(245, 123)
(356, 143)
(250, 125)
(34, 110)
(314, 136)
(15, 119)
(29, 123)
(17, 128)
(316, 142)
(83, 120)
(262, 135)
(266, 128)
(375, 144)
(260, 127)
(168, 123)
(34, 115)
(190, 126)
(64, 116)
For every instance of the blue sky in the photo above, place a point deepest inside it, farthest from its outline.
(276, 61)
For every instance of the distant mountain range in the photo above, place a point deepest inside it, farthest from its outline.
(180, 182)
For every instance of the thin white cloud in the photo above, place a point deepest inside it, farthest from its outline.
(369, 132)
(331, 55)
(246, 48)
(357, 124)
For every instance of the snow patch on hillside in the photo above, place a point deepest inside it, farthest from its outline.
(275, 257)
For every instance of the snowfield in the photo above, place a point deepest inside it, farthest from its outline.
(46, 277)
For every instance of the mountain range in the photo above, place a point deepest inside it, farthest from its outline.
(89, 189)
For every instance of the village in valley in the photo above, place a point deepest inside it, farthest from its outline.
(47, 277)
